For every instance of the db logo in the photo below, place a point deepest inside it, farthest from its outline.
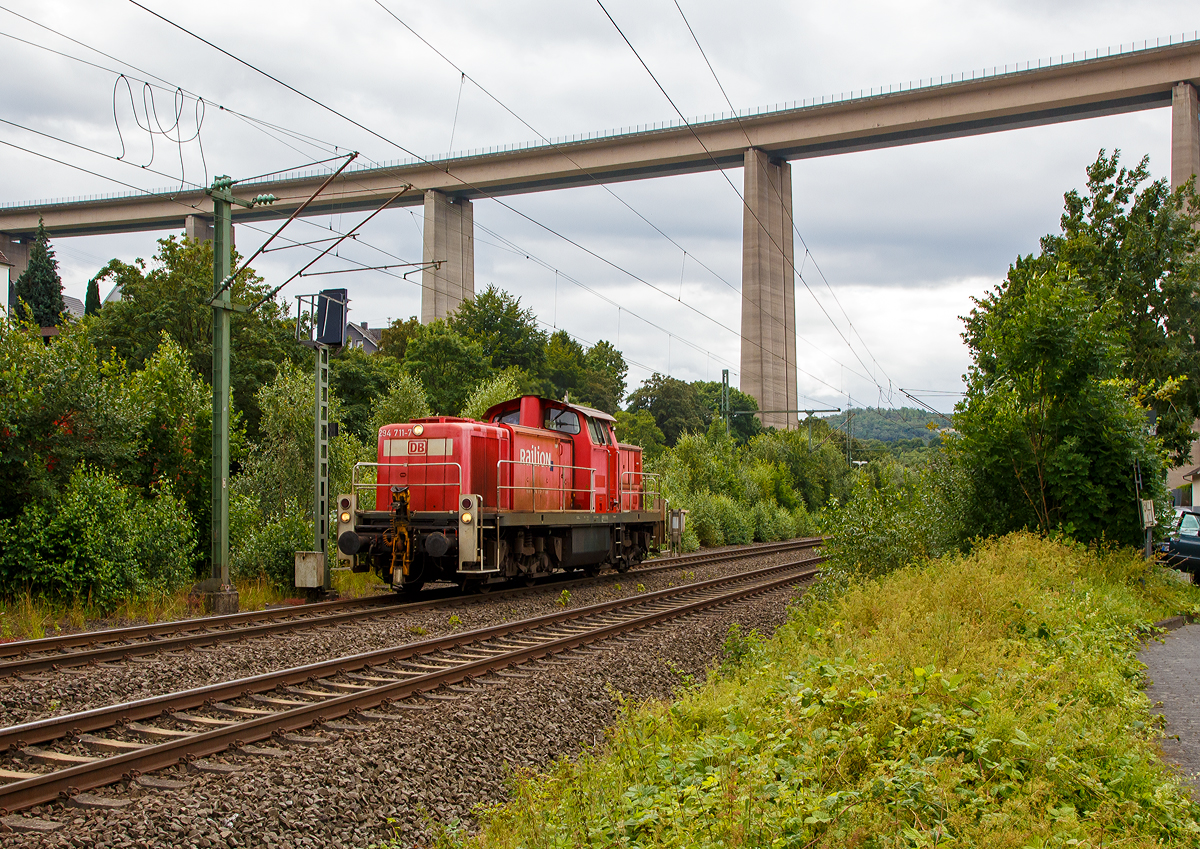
(417, 446)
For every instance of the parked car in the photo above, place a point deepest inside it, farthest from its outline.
(1181, 550)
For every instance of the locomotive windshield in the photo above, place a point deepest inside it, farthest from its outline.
(513, 417)
(564, 421)
(597, 431)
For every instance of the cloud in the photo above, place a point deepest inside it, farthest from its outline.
(903, 236)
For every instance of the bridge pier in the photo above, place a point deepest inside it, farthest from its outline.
(449, 238)
(1185, 134)
(198, 228)
(768, 289)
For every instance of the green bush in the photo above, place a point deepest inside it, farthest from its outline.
(98, 541)
(765, 522)
(269, 549)
(704, 519)
(912, 517)
(735, 524)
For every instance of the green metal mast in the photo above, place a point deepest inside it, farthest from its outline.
(221, 596)
(222, 307)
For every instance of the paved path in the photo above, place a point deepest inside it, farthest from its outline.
(1174, 670)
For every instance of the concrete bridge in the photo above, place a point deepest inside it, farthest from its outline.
(763, 143)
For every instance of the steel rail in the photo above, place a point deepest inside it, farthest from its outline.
(55, 727)
(191, 633)
(130, 764)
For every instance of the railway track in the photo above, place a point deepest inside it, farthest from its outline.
(65, 755)
(90, 647)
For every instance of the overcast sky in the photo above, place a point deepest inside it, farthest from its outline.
(903, 237)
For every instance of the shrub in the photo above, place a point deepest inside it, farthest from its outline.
(765, 524)
(269, 550)
(98, 541)
(735, 523)
(704, 520)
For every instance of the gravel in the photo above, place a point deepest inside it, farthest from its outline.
(404, 777)
(33, 697)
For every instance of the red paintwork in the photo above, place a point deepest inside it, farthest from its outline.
(519, 465)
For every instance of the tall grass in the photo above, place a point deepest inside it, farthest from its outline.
(29, 617)
(984, 700)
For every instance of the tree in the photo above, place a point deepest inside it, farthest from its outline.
(1049, 428)
(39, 285)
(603, 382)
(675, 405)
(359, 379)
(446, 364)
(393, 339)
(502, 387)
(173, 296)
(508, 334)
(60, 406)
(91, 304)
(639, 428)
(1134, 250)
(405, 400)
(564, 364)
(743, 428)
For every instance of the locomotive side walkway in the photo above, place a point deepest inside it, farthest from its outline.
(1173, 668)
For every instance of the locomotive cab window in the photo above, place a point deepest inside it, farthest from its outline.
(564, 421)
(597, 432)
(513, 417)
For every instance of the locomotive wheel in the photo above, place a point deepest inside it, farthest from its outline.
(624, 564)
(530, 581)
(592, 571)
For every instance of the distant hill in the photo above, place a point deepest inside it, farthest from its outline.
(888, 425)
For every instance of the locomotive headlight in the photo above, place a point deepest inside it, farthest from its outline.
(344, 518)
(418, 430)
(466, 518)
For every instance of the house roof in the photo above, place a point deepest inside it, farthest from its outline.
(1193, 474)
(74, 306)
(4, 260)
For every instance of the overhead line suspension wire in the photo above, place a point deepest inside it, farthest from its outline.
(229, 280)
(444, 169)
(248, 118)
(594, 179)
(745, 203)
(299, 244)
(548, 141)
(605, 298)
(166, 87)
(313, 140)
(807, 251)
(94, 151)
(323, 253)
(555, 146)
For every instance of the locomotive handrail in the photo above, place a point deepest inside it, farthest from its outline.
(643, 490)
(355, 485)
(534, 488)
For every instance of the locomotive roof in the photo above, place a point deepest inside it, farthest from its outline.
(587, 411)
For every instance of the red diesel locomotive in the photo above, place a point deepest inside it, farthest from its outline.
(539, 486)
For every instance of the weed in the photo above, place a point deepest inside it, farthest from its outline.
(454, 621)
(983, 700)
(617, 587)
(564, 599)
(641, 588)
(737, 648)
(417, 630)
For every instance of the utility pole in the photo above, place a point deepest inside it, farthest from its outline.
(220, 596)
(725, 398)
